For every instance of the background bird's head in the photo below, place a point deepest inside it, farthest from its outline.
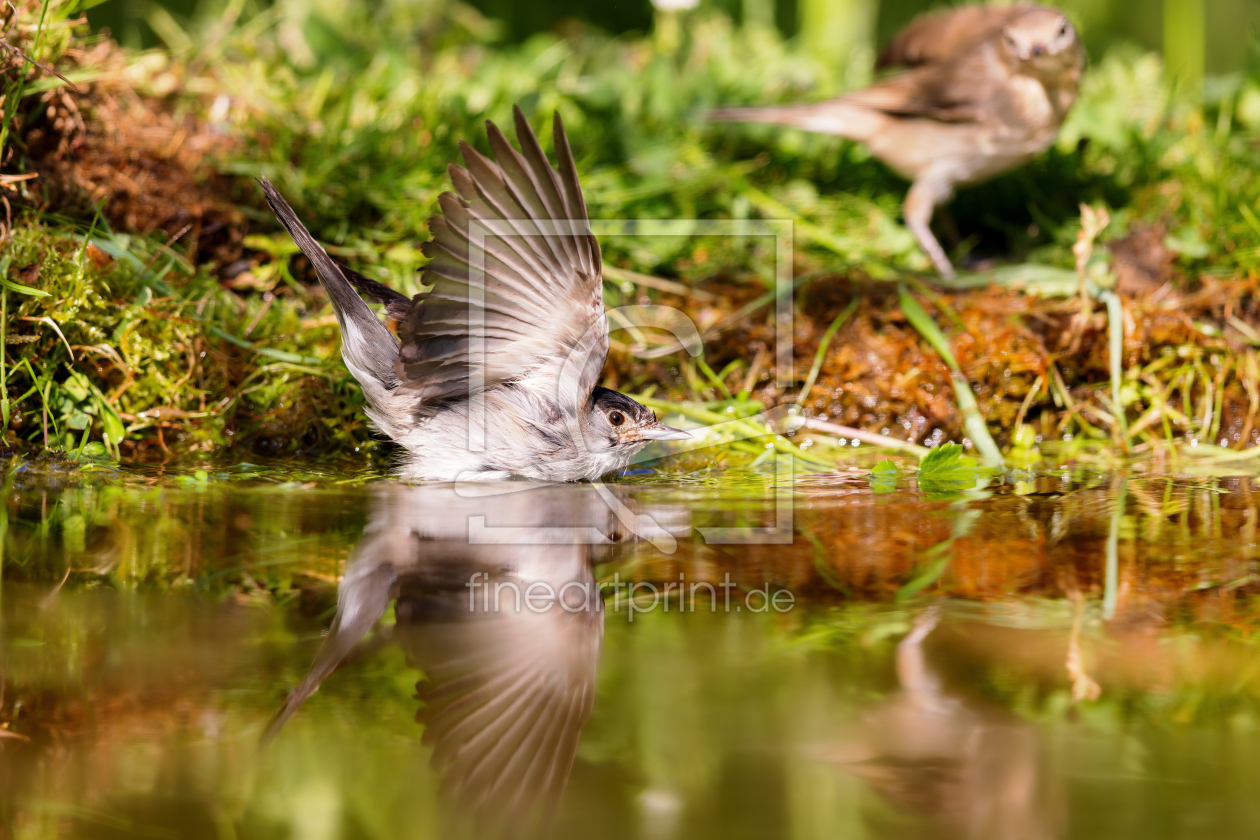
(616, 424)
(1043, 40)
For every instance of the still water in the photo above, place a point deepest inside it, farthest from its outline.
(254, 652)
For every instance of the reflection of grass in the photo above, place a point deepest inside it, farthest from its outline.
(357, 115)
(269, 532)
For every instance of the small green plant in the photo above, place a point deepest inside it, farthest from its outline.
(883, 477)
(945, 472)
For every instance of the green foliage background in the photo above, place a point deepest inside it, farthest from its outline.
(354, 110)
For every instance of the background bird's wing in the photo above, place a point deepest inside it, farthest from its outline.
(943, 36)
(960, 90)
(516, 276)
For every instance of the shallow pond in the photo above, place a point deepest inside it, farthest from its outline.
(1069, 655)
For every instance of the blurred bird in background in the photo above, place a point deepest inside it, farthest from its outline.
(985, 89)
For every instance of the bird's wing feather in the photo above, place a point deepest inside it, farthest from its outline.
(396, 304)
(960, 90)
(513, 260)
(943, 36)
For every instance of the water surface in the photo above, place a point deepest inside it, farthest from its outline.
(1069, 655)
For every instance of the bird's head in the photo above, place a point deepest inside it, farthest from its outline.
(1043, 38)
(617, 424)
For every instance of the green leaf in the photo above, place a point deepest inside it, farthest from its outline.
(883, 478)
(76, 386)
(945, 472)
(946, 461)
(279, 245)
(22, 290)
(885, 468)
(973, 422)
(1188, 242)
(94, 449)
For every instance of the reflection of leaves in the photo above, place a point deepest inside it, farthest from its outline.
(927, 576)
(935, 560)
(883, 478)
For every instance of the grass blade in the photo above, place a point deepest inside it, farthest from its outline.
(927, 328)
(973, 421)
(1115, 331)
(822, 348)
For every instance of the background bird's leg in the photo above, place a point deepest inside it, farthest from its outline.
(923, 198)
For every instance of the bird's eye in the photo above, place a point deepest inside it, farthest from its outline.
(1063, 29)
(616, 418)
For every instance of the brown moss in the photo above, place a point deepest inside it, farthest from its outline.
(146, 165)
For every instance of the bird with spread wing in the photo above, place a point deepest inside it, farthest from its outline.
(496, 367)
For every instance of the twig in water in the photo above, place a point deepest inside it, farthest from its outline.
(865, 436)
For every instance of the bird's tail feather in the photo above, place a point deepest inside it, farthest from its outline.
(368, 348)
(835, 117)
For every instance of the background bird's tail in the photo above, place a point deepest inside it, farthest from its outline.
(834, 117)
(368, 348)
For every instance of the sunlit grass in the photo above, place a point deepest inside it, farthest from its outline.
(356, 122)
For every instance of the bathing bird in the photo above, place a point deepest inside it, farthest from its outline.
(986, 90)
(495, 370)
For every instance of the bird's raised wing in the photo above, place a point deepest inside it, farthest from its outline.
(516, 276)
(943, 36)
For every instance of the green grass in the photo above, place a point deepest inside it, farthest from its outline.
(354, 112)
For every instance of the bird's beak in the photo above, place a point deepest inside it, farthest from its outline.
(659, 431)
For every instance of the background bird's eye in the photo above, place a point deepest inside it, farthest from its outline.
(616, 418)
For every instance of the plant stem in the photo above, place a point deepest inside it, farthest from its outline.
(1185, 39)
(4, 344)
(822, 348)
(866, 437)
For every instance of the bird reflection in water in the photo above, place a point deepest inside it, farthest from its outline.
(973, 771)
(497, 605)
